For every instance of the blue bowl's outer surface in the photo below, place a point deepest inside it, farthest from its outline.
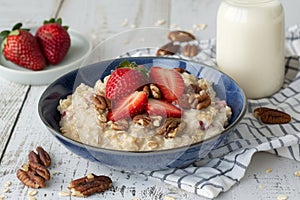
(224, 86)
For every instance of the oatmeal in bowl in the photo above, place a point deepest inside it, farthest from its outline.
(143, 113)
(136, 109)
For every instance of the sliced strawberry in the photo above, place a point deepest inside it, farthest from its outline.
(170, 82)
(129, 106)
(124, 81)
(162, 108)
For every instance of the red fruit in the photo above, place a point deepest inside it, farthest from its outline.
(170, 82)
(129, 106)
(124, 81)
(54, 40)
(162, 108)
(20, 47)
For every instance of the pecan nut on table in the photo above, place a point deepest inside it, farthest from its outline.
(89, 185)
(178, 38)
(271, 116)
(35, 173)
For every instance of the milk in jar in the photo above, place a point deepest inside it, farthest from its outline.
(250, 44)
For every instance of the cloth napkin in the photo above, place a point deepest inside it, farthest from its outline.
(227, 164)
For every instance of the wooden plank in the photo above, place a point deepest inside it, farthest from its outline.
(12, 97)
(30, 12)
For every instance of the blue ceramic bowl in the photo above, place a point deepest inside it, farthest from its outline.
(224, 86)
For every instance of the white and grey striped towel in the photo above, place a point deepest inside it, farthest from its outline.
(227, 164)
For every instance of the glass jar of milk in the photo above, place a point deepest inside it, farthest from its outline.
(250, 44)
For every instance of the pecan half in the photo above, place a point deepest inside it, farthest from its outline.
(200, 101)
(33, 157)
(99, 101)
(143, 120)
(171, 127)
(89, 185)
(168, 49)
(190, 50)
(26, 179)
(181, 36)
(44, 157)
(41, 170)
(152, 91)
(204, 104)
(155, 91)
(36, 178)
(271, 116)
(41, 157)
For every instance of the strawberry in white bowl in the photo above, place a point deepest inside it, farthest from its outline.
(54, 40)
(21, 47)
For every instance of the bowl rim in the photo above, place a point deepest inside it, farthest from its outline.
(160, 151)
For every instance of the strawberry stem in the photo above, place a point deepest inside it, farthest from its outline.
(127, 64)
(57, 21)
(51, 20)
(132, 65)
(17, 26)
(4, 34)
(66, 27)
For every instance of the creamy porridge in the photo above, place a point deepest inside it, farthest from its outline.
(85, 116)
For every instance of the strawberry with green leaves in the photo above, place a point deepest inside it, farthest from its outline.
(125, 79)
(54, 40)
(21, 47)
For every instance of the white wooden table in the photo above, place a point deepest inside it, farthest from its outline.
(21, 130)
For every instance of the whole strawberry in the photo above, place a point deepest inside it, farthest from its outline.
(54, 40)
(20, 47)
